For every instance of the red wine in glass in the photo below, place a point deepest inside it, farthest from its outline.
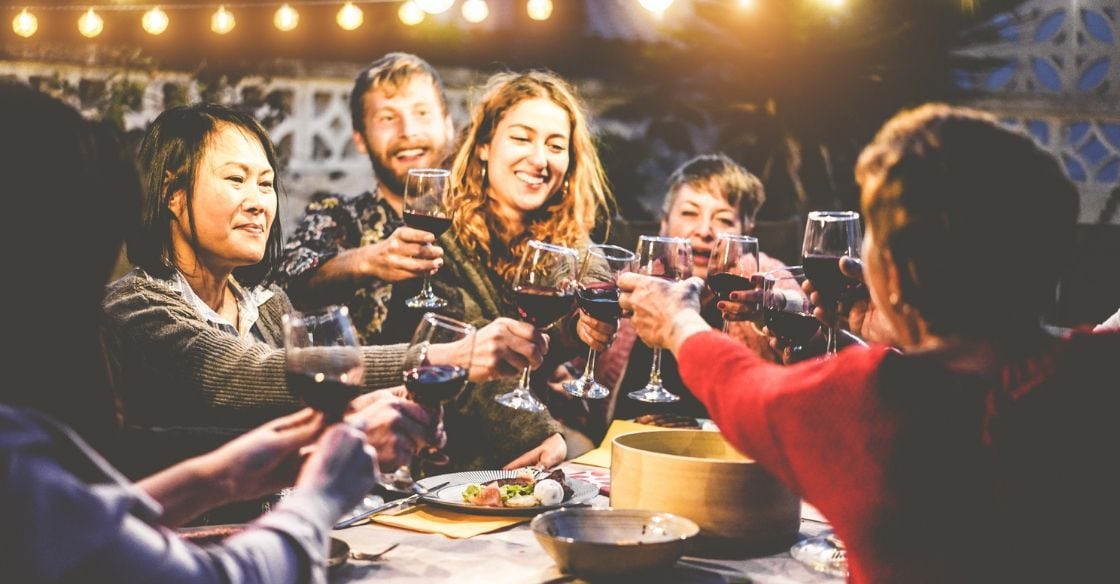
(600, 300)
(797, 327)
(433, 224)
(542, 306)
(432, 385)
(723, 284)
(327, 395)
(824, 271)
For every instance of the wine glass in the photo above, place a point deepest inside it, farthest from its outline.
(323, 360)
(734, 267)
(432, 385)
(669, 258)
(543, 290)
(598, 296)
(424, 193)
(786, 309)
(828, 236)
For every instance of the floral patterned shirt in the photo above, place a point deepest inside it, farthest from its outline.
(333, 223)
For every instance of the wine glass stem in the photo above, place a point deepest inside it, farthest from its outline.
(524, 385)
(426, 290)
(830, 348)
(589, 369)
(726, 326)
(655, 369)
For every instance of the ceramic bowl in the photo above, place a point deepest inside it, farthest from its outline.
(611, 542)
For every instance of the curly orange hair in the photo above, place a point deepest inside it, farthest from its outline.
(566, 217)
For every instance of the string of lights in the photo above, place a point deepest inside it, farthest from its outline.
(155, 19)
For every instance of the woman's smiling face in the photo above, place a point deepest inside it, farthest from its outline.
(527, 159)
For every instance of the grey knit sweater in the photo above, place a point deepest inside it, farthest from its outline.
(178, 376)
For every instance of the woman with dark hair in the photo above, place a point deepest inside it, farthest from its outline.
(67, 515)
(984, 453)
(196, 340)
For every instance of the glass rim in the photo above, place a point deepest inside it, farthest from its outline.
(318, 312)
(832, 215)
(737, 237)
(449, 322)
(622, 252)
(538, 244)
(772, 274)
(428, 172)
(664, 238)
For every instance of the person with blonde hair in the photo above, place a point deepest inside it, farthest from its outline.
(526, 169)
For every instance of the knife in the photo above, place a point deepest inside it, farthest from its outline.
(392, 507)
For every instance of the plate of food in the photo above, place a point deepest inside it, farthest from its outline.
(507, 492)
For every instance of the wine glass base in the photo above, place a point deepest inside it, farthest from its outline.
(654, 394)
(823, 553)
(520, 399)
(425, 302)
(586, 388)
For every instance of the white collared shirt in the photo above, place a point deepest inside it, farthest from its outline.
(248, 303)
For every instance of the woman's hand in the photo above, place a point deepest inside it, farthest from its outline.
(264, 460)
(502, 348)
(397, 427)
(550, 453)
(340, 468)
(594, 332)
(743, 305)
(664, 313)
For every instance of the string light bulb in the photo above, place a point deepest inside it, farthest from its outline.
(154, 21)
(833, 4)
(222, 21)
(90, 24)
(349, 16)
(25, 24)
(657, 7)
(539, 9)
(434, 6)
(410, 13)
(747, 4)
(286, 18)
(475, 11)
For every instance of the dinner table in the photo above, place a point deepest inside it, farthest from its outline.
(512, 554)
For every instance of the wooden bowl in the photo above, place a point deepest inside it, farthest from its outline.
(740, 507)
(612, 542)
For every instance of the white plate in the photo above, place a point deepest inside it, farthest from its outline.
(451, 496)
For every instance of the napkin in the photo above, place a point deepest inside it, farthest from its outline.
(601, 456)
(456, 525)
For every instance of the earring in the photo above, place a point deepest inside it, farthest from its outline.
(894, 300)
(565, 187)
(484, 172)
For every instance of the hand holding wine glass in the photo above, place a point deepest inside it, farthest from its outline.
(733, 268)
(543, 290)
(424, 194)
(598, 297)
(323, 360)
(669, 258)
(786, 308)
(830, 235)
(430, 384)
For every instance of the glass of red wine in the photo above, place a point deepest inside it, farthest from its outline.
(598, 296)
(433, 385)
(734, 267)
(786, 309)
(669, 258)
(424, 193)
(829, 235)
(323, 360)
(543, 290)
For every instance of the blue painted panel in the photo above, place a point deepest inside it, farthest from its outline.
(963, 80)
(1093, 151)
(1000, 76)
(1049, 26)
(1093, 75)
(1097, 26)
(1077, 131)
(1109, 173)
(1040, 130)
(1112, 134)
(1006, 26)
(1046, 74)
(1074, 169)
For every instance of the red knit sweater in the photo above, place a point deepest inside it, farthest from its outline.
(930, 475)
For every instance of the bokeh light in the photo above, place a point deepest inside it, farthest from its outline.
(475, 11)
(90, 24)
(223, 21)
(25, 24)
(154, 21)
(539, 9)
(411, 14)
(286, 18)
(350, 17)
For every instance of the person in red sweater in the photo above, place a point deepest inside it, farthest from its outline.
(984, 451)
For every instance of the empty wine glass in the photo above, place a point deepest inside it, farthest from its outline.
(733, 267)
(598, 296)
(669, 258)
(424, 193)
(786, 309)
(543, 290)
(828, 236)
(323, 360)
(432, 385)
